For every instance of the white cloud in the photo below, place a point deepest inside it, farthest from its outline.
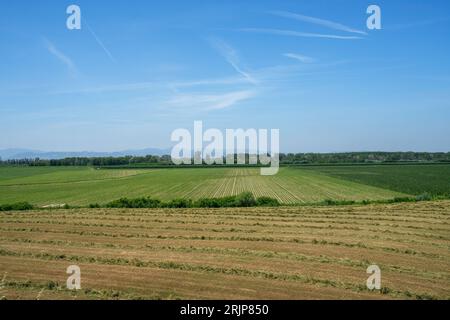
(317, 21)
(62, 58)
(137, 86)
(415, 24)
(210, 101)
(299, 57)
(236, 80)
(232, 57)
(298, 34)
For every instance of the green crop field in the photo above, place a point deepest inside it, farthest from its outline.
(85, 185)
(410, 179)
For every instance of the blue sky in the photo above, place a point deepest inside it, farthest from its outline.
(137, 70)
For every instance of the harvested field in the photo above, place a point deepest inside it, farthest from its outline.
(256, 253)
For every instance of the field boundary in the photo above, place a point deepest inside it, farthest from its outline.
(243, 200)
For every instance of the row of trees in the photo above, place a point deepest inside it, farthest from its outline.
(363, 157)
(92, 161)
(286, 159)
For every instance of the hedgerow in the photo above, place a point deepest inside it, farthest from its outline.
(245, 199)
(19, 206)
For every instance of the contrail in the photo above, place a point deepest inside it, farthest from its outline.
(100, 43)
(321, 22)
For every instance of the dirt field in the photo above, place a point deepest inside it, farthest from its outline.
(255, 253)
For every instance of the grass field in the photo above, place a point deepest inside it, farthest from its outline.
(85, 185)
(411, 179)
(235, 253)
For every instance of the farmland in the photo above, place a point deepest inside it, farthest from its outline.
(228, 253)
(297, 251)
(81, 186)
(411, 179)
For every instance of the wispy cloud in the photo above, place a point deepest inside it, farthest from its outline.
(100, 43)
(71, 68)
(231, 81)
(232, 57)
(415, 24)
(318, 21)
(210, 101)
(298, 34)
(238, 88)
(123, 87)
(299, 57)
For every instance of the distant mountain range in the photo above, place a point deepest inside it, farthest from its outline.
(8, 154)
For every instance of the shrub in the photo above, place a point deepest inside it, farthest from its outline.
(267, 202)
(224, 202)
(401, 199)
(424, 197)
(208, 203)
(245, 199)
(120, 203)
(329, 202)
(51, 285)
(134, 203)
(145, 203)
(94, 205)
(178, 203)
(230, 201)
(19, 206)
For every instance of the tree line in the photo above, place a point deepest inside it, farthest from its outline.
(363, 157)
(285, 159)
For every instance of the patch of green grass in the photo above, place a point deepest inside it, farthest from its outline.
(409, 179)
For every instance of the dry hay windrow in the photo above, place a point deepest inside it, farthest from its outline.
(288, 252)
